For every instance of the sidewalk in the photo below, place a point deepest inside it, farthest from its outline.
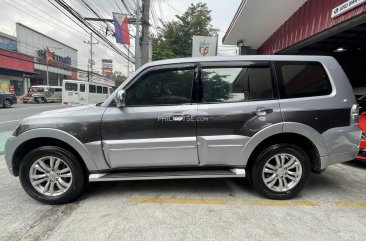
(3, 137)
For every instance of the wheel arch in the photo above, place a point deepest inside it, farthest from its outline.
(301, 135)
(32, 139)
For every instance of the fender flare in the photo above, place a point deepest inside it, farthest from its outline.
(53, 134)
(281, 128)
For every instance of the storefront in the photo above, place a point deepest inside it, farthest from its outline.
(307, 27)
(54, 61)
(15, 71)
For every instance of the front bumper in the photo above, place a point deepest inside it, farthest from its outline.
(8, 154)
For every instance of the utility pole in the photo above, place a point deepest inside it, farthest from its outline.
(145, 31)
(91, 62)
(137, 38)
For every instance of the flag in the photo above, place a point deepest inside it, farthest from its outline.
(121, 28)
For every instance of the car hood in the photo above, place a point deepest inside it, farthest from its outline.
(82, 122)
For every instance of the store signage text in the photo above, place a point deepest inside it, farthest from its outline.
(345, 7)
(54, 57)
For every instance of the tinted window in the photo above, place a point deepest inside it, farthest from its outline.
(99, 89)
(92, 89)
(71, 86)
(236, 84)
(164, 87)
(105, 90)
(302, 79)
(82, 87)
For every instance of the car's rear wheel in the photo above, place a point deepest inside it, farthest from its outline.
(280, 171)
(52, 175)
(7, 103)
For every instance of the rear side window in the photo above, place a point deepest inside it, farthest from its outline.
(302, 79)
(71, 86)
(92, 89)
(235, 84)
(82, 87)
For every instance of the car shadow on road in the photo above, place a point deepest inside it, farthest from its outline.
(194, 188)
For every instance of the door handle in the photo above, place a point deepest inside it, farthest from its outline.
(261, 111)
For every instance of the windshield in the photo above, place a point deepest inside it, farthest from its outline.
(37, 90)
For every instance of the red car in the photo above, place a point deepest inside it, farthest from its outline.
(362, 152)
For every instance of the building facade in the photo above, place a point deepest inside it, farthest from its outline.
(53, 60)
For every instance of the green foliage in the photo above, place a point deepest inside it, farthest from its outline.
(174, 39)
(118, 77)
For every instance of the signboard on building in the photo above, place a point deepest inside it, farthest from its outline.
(345, 7)
(203, 46)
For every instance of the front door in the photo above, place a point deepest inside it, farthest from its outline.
(157, 126)
(237, 101)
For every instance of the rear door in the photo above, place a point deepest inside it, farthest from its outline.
(70, 94)
(237, 100)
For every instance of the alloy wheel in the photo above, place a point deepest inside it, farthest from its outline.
(50, 176)
(7, 103)
(282, 172)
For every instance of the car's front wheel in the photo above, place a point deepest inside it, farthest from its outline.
(280, 171)
(52, 175)
(7, 103)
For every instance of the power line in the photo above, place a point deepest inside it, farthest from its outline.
(80, 18)
(172, 7)
(48, 23)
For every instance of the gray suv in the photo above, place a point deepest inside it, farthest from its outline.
(272, 119)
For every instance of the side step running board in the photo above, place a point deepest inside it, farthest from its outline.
(124, 176)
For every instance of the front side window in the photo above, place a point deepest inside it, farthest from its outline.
(163, 87)
(302, 79)
(71, 86)
(236, 84)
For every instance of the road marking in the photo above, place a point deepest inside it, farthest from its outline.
(223, 201)
(3, 122)
(280, 203)
(351, 204)
(178, 200)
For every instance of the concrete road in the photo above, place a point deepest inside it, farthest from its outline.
(9, 118)
(332, 207)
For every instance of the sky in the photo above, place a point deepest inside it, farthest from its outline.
(42, 16)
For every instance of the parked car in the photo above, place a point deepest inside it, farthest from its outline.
(7, 99)
(361, 156)
(360, 93)
(273, 119)
(43, 94)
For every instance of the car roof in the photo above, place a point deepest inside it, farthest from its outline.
(239, 58)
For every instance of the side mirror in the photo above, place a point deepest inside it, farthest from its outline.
(120, 98)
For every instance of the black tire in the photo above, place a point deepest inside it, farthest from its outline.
(38, 100)
(7, 103)
(258, 168)
(79, 180)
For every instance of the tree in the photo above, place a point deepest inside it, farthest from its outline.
(118, 77)
(174, 39)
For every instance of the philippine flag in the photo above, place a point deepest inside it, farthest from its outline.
(121, 28)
